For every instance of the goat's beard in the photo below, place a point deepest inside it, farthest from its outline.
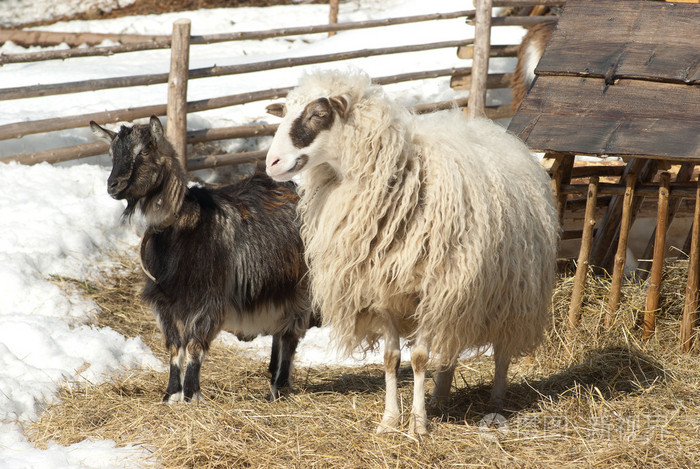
(129, 210)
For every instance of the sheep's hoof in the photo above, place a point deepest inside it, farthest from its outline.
(496, 404)
(438, 401)
(417, 425)
(389, 424)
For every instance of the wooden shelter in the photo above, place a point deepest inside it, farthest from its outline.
(622, 78)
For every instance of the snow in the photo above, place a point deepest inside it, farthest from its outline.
(58, 221)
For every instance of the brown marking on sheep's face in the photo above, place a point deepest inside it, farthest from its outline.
(316, 117)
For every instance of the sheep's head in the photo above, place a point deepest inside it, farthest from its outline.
(302, 139)
(134, 152)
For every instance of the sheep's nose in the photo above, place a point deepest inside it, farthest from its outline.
(274, 162)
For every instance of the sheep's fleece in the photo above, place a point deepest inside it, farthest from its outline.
(444, 224)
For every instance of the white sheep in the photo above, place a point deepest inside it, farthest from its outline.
(434, 228)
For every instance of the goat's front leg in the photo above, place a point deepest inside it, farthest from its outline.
(281, 374)
(419, 361)
(173, 393)
(190, 386)
(392, 360)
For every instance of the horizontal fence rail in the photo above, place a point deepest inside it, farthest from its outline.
(163, 42)
(215, 71)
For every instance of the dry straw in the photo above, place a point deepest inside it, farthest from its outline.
(594, 398)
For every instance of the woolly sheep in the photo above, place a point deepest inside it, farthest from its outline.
(434, 228)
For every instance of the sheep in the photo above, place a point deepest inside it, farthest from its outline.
(228, 258)
(434, 228)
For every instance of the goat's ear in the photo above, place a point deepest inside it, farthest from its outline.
(156, 128)
(340, 104)
(276, 109)
(101, 132)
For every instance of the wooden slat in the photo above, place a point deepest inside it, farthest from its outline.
(632, 118)
(508, 50)
(626, 38)
(493, 81)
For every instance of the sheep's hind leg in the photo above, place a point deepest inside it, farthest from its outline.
(281, 374)
(392, 360)
(500, 379)
(173, 393)
(418, 424)
(195, 356)
(443, 384)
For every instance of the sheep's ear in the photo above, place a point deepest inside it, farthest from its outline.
(101, 132)
(156, 128)
(340, 104)
(276, 109)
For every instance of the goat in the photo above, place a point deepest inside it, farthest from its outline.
(435, 228)
(529, 53)
(228, 258)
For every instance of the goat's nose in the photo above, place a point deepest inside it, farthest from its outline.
(274, 162)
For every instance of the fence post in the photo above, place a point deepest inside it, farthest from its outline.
(480, 61)
(333, 16)
(176, 127)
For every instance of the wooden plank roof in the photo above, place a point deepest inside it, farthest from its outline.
(618, 77)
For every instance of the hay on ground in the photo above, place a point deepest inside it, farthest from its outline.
(593, 398)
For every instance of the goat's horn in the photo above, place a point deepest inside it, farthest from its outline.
(144, 241)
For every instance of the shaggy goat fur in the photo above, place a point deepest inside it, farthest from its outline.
(227, 258)
(441, 228)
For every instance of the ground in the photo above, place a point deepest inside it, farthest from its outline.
(591, 397)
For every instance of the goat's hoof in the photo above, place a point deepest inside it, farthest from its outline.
(173, 398)
(196, 397)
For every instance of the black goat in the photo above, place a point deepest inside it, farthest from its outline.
(228, 258)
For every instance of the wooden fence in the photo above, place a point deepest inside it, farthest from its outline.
(177, 107)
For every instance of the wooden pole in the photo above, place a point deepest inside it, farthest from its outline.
(620, 255)
(685, 174)
(176, 129)
(690, 310)
(584, 254)
(333, 15)
(561, 174)
(480, 62)
(657, 265)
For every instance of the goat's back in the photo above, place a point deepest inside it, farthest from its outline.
(236, 247)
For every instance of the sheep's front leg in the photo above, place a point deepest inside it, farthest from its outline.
(173, 393)
(392, 360)
(280, 375)
(419, 361)
(195, 356)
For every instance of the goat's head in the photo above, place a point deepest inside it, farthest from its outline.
(135, 158)
(303, 137)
